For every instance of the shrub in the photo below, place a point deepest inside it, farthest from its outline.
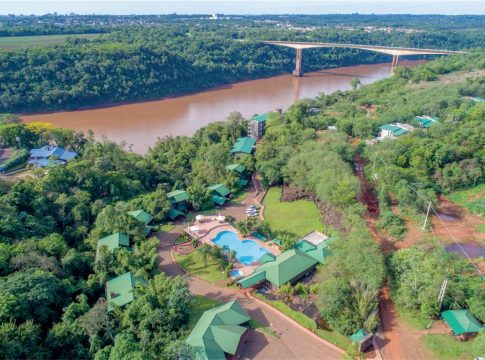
(16, 159)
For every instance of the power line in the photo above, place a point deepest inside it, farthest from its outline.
(440, 219)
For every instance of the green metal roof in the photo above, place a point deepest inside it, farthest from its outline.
(243, 145)
(178, 196)
(141, 216)
(242, 182)
(261, 117)
(174, 213)
(267, 257)
(218, 331)
(112, 242)
(358, 336)
(219, 200)
(236, 167)
(321, 252)
(304, 245)
(396, 130)
(286, 267)
(221, 189)
(425, 122)
(461, 321)
(478, 99)
(119, 290)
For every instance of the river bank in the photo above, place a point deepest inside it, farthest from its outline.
(140, 124)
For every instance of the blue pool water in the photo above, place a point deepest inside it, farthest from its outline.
(236, 273)
(247, 251)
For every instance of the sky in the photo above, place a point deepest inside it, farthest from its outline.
(124, 7)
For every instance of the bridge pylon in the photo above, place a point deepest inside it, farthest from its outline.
(395, 62)
(299, 54)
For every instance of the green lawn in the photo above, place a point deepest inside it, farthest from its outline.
(447, 347)
(200, 304)
(297, 218)
(194, 264)
(240, 196)
(480, 228)
(15, 42)
(412, 319)
(472, 199)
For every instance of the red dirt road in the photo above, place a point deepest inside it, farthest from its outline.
(395, 341)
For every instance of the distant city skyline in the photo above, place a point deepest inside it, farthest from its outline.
(126, 7)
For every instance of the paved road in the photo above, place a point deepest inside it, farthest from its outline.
(294, 342)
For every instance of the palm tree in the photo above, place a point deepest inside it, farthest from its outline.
(205, 251)
(195, 243)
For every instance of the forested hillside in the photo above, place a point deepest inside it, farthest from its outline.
(299, 150)
(144, 62)
(52, 294)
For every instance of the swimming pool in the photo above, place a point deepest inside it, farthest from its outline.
(247, 251)
(236, 273)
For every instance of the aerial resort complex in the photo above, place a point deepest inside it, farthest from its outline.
(242, 180)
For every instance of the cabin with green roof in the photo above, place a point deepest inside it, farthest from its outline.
(391, 131)
(240, 171)
(243, 146)
(178, 198)
(478, 99)
(219, 193)
(119, 291)
(219, 332)
(112, 242)
(461, 322)
(178, 203)
(288, 267)
(425, 121)
(362, 338)
(257, 125)
(143, 217)
(236, 168)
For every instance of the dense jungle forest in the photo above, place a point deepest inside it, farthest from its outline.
(52, 299)
(140, 58)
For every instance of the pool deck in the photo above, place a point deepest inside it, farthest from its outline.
(210, 227)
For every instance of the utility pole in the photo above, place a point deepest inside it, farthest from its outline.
(427, 214)
(441, 296)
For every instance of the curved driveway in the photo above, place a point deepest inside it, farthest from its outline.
(293, 342)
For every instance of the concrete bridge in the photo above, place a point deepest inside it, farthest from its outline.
(396, 52)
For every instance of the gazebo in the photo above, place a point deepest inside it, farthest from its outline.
(462, 323)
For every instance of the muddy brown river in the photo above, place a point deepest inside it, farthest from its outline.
(140, 124)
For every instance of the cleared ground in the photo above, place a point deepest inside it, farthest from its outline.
(297, 218)
(472, 199)
(17, 42)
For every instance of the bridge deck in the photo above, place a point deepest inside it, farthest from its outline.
(400, 51)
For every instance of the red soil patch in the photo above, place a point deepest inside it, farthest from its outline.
(395, 340)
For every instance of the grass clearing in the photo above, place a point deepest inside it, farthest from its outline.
(167, 227)
(472, 199)
(335, 338)
(480, 228)
(412, 319)
(447, 347)
(297, 218)
(194, 264)
(240, 196)
(17, 42)
(200, 304)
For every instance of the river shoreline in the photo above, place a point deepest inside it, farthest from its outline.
(140, 124)
(187, 93)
